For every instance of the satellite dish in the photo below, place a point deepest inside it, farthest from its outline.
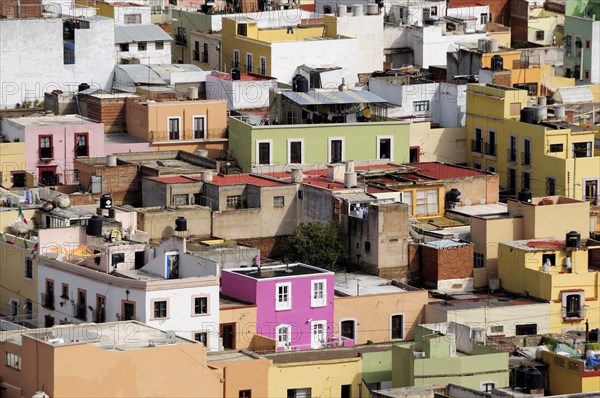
(171, 335)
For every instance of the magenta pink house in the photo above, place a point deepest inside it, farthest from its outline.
(294, 303)
(53, 142)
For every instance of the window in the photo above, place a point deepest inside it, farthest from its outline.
(81, 309)
(69, 53)
(28, 268)
(499, 329)
(160, 309)
(173, 128)
(130, 19)
(491, 169)
(526, 155)
(81, 145)
(568, 45)
(200, 305)
(319, 334)
(284, 296)
(512, 181)
(12, 360)
(180, 199)
(181, 36)
(28, 309)
(278, 201)
(201, 337)
(433, 11)
(477, 166)
(263, 149)
(490, 150)
(397, 327)
(549, 258)
(427, 201)
(421, 106)
(556, 148)
(249, 63)
(117, 258)
(550, 186)
(245, 394)
(236, 58)
(283, 335)
(488, 387)
(512, 151)
(582, 149)
(64, 291)
(527, 329)
(367, 246)
(124, 46)
(142, 46)
(196, 52)
(159, 45)
(76, 175)
(539, 35)
(414, 154)
(483, 19)
(336, 150)
(45, 147)
(384, 148)
(578, 46)
(234, 202)
(263, 66)
(242, 29)
(295, 152)
(299, 393)
(572, 305)
(477, 142)
(515, 109)
(526, 180)
(318, 294)
(199, 127)
(478, 260)
(205, 53)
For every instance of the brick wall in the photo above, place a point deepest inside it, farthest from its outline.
(21, 8)
(449, 263)
(269, 247)
(498, 8)
(110, 111)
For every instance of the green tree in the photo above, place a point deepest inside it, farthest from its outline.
(314, 243)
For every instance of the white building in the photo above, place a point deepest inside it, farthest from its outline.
(106, 282)
(37, 57)
(146, 43)
(251, 91)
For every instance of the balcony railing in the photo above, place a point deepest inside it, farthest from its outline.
(573, 314)
(511, 155)
(525, 158)
(195, 55)
(180, 40)
(47, 300)
(490, 149)
(477, 146)
(80, 312)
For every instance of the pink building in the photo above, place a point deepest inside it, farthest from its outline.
(53, 142)
(294, 303)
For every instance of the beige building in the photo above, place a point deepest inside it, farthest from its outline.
(180, 125)
(159, 223)
(12, 166)
(245, 373)
(105, 360)
(552, 216)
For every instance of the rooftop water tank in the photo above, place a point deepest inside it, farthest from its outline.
(528, 115)
(357, 10)
(301, 85)
(193, 93)
(521, 376)
(83, 87)
(235, 74)
(497, 63)
(454, 195)
(524, 195)
(533, 379)
(180, 224)
(342, 10)
(573, 239)
(372, 9)
(106, 201)
(94, 226)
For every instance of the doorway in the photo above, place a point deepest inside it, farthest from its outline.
(227, 333)
(348, 329)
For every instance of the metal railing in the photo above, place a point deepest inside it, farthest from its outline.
(525, 158)
(511, 155)
(477, 146)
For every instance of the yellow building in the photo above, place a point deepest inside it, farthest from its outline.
(549, 157)
(569, 375)
(552, 271)
(12, 165)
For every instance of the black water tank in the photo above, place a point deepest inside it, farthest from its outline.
(83, 87)
(524, 195)
(521, 376)
(593, 336)
(106, 201)
(294, 82)
(550, 100)
(573, 239)
(454, 195)
(302, 85)
(235, 74)
(94, 226)
(497, 63)
(533, 379)
(430, 21)
(528, 115)
(180, 224)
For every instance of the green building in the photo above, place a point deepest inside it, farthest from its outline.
(582, 40)
(433, 358)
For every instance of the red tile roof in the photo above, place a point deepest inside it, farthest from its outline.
(175, 179)
(242, 179)
(441, 171)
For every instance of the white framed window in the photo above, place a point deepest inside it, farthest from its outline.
(160, 308)
(489, 385)
(199, 126)
(296, 151)
(12, 360)
(284, 296)
(28, 268)
(318, 334)
(263, 66)
(28, 309)
(318, 293)
(385, 147)
(283, 335)
(278, 201)
(173, 126)
(497, 329)
(249, 63)
(201, 337)
(573, 305)
(200, 305)
(335, 149)
(233, 201)
(264, 152)
(236, 58)
(478, 260)
(421, 106)
(132, 19)
(427, 201)
(397, 326)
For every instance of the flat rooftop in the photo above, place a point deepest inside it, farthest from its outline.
(470, 301)
(244, 179)
(445, 244)
(325, 354)
(444, 171)
(102, 335)
(361, 284)
(492, 209)
(279, 271)
(51, 120)
(231, 356)
(245, 77)
(229, 303)
(541, 245)
(122, 138)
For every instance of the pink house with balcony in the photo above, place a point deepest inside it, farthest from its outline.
(294, 303)
(52, 143)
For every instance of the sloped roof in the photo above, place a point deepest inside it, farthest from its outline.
(331, 97)
(138, 33)
(569, 95)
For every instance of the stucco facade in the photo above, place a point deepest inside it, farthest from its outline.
(13, 160)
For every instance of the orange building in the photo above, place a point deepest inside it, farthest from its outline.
(189, 125)
(126, 359)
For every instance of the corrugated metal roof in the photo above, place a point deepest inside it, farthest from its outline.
(569, 95)
(138, 33)
(332, 97)
(141, 74)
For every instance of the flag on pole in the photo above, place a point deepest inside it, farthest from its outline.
(22, 216)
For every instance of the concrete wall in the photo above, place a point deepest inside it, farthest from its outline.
(240, 94)
(241, 375)
(160, 224)
(13, 159)
(439, 144)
